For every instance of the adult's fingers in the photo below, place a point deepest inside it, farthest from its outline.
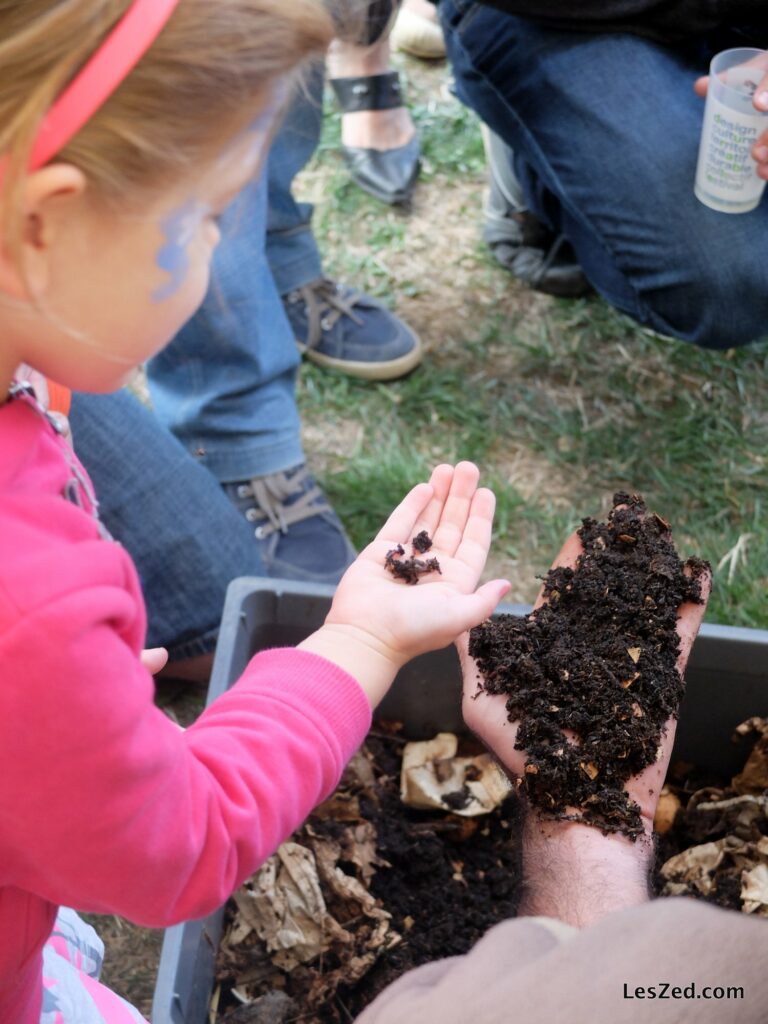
(760, 99)
(568, 555)
(689, 620)
(690, 615)
(760, 148)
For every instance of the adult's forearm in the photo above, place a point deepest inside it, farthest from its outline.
(576, 874)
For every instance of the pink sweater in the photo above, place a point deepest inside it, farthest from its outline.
(105, 805)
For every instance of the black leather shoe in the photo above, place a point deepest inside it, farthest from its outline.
(387, 174)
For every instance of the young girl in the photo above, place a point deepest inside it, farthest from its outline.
(125, 127)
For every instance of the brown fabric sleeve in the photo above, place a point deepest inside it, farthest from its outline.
(531, 972)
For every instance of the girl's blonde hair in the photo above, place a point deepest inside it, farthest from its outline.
(198, 84)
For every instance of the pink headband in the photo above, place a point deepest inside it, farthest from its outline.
(93, 86)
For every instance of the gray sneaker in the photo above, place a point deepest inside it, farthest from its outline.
(299, 535)
(517, 239)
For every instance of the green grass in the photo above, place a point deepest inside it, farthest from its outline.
(593, 401)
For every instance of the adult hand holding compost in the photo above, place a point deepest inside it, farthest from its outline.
(377, 623)
(587, 943)
(581, 698)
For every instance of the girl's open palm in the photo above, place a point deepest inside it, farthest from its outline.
(401, 620)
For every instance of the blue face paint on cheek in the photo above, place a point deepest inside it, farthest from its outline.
(179, 230)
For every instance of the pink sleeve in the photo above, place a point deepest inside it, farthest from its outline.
(107, 806)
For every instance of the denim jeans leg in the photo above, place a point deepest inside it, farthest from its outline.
(605, 130)
(292, 251)
(188, 541)
(225, 386)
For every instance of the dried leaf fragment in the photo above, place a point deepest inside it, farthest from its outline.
(634, 653)
(628, 682)
(754, 777)
(589, 768)
(666, 811)
(432, 776)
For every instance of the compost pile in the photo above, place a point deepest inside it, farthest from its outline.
(713, 839)
(591, 674)
(369, 887)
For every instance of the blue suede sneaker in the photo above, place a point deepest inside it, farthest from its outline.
(343, 329)
(299, 535)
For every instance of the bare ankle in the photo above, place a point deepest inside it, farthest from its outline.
(348, 61)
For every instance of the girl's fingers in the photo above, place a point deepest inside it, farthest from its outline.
(440, 480)
(153, 659)
(399, 528)
(469, 610)
(455, 512)
(476, 540)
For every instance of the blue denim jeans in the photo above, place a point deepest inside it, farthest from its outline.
(292, 252)
(187, 539)
(605, 131)
(225, 386)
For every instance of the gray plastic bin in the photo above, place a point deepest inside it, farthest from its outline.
(727, 682)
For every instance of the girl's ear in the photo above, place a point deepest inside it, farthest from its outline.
(47, 199)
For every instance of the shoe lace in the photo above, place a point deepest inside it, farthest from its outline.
(549, 258)
(325, 306)
(270, 494)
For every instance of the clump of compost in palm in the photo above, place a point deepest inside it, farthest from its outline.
(409, 569)
(591, 674)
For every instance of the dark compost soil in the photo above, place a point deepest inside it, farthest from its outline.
(446, 880)
(409, 569)
(596, 660)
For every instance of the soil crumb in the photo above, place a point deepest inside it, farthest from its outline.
(409, 569)
(422, 542)
(591, 675)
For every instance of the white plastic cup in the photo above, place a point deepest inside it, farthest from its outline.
(726, 175)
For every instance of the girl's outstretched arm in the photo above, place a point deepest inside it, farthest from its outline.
(104, 803)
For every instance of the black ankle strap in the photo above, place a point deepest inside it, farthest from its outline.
(368, 92)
